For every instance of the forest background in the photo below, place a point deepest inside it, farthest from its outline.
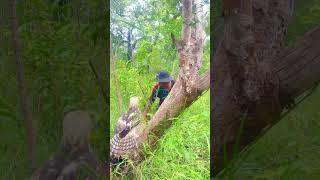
(59, 38)
(58, 41)
(142, 46)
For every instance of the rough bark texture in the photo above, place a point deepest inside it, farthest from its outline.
(24, 101)
(252, 81)
(271, 19)
(239, 87)
(74, 152)
(189, 84)
(298, 65)
(175, 103)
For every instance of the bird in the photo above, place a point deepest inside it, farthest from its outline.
(124, 143)
(74, 156)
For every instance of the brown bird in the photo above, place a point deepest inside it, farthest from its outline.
(74, 156)
(124, 143)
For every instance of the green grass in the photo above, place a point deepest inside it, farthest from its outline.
(13, 160)
(290, 150)
(183, 151)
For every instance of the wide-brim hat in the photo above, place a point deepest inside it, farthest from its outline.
(163, 76)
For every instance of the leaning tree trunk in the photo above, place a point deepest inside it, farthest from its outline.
(252, 79)
(24, 101)
(189, 84)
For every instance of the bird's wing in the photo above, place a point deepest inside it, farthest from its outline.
(123, 146)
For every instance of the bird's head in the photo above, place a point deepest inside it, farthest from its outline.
(134, 102)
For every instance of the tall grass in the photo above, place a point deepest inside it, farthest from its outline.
(183, 151)
(58, 78)
(290, 150)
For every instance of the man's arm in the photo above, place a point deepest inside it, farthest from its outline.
(151, 99)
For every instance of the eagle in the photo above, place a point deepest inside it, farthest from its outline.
(124, 144)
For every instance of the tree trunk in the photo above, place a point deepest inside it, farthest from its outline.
(24, 102)
(298, 65)
(129, 44)
(173, 105)
(252, 82)
(189, 84)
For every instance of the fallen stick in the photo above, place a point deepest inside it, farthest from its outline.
(100, 83)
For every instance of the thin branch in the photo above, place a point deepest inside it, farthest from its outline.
(173, 38)
(118, 91)
(142, 90)
(129, 23)
(24, 100)
(99, 81)
(136, 41)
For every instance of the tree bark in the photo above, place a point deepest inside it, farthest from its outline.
(298, 65)
(252, 79)
(189, 84)
(173, 105)
(24, 101)
(129, 45)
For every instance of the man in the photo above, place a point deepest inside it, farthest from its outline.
(160, 90)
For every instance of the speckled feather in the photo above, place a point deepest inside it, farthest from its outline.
(124, 141)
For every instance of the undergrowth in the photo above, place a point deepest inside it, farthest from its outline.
(290, 150)
(183, 151)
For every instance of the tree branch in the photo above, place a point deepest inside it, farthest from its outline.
(298, 65)
(175, 103)
(24, 101)
(99, 81)
(189, 84)
(187, 16)
(136, 41)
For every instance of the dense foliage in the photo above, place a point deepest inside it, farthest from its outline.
(58, 41)
(183, 152)
(60, 38)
